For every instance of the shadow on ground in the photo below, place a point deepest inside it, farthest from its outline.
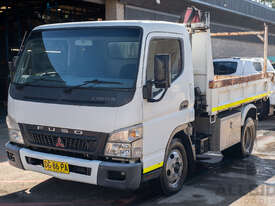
(59, 192)
(221, 184)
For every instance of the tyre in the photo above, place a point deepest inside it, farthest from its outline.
(175, 168)
(245, 147)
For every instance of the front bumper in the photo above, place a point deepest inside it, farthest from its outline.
(13, 155)
(107, 174)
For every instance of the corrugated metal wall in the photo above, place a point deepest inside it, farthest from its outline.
(246, 7)
(135, 13)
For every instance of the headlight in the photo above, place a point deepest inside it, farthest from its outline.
(14, 131)
(125, 143)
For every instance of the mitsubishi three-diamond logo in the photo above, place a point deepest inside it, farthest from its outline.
(59, 143)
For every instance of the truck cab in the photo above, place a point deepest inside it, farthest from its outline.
(93, 102)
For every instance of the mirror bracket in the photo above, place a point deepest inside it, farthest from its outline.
(159, 99)
(148, 94)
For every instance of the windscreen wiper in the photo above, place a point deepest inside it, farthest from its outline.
(20, 86)
(95, 81)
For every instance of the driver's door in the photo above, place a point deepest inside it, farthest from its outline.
(176, 108)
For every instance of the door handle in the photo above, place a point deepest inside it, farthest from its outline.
(184, 104)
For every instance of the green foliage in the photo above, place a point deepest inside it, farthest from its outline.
(267, 2)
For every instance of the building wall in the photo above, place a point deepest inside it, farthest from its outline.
(114, 10)
(136, 13)
(235, 48)
(248, 46)
(244, 7)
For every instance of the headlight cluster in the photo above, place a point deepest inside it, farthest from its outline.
(14, 131)
(125, 143)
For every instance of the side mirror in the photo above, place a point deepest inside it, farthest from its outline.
(162, 71)
(147, 90)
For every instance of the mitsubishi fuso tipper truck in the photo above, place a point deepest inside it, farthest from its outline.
(117, 103)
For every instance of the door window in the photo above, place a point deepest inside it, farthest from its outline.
(171, 47)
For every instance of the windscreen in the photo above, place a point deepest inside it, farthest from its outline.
(225, 67)
(70, 57)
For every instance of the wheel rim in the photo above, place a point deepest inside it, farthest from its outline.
(174, 167)
(248, 139)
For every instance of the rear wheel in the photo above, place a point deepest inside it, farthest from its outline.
(245, 147)
(175, 168)
(248, 137)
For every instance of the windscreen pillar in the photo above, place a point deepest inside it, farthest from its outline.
(114, 10)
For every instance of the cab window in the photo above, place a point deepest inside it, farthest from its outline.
(225, 67)
(257, 66)
(171, 47)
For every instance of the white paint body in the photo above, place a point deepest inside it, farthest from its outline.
(159, 119)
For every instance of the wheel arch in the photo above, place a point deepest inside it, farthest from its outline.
(183, 133)
(249, 110)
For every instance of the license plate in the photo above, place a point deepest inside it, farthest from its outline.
(54, 166)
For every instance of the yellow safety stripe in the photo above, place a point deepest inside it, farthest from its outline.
(237, 103)
(223, 107)
(153, 167)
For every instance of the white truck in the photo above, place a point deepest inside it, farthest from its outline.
(117, 103)
(244, 66)
(240, 66)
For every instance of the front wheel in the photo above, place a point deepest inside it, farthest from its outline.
(175, 168)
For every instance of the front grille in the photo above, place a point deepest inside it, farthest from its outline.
(84, 142)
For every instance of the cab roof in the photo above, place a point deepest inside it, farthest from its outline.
(237, 59)
(148, 26)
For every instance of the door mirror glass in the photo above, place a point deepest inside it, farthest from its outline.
(147, 91)
(162, 70)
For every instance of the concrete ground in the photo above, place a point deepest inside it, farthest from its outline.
(246, 182)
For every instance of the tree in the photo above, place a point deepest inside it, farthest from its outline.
(268, 2)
